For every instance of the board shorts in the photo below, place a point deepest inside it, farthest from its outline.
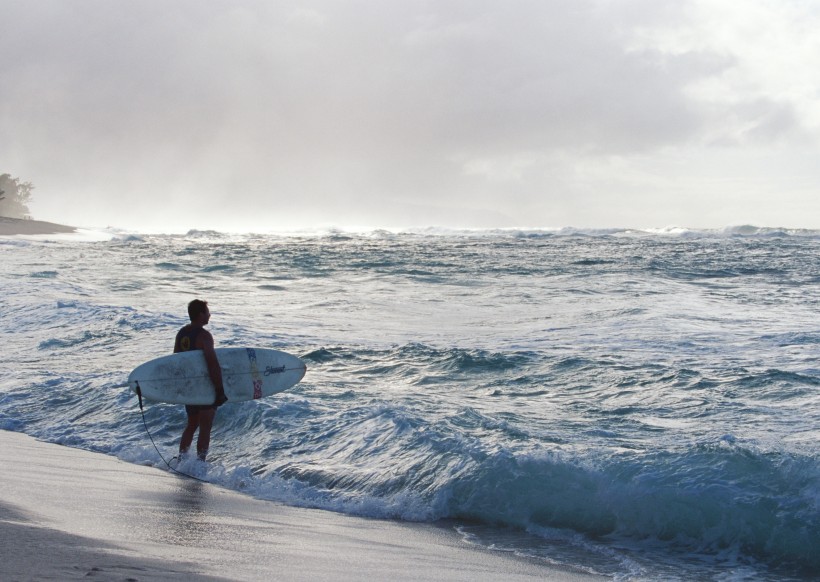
(196, 408)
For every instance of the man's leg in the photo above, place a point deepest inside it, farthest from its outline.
(188, 433)
(206, 421)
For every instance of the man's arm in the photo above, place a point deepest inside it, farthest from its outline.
(214, 370)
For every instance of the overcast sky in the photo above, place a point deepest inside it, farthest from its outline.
(263, 115)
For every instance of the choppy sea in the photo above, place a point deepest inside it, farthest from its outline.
(640, 404)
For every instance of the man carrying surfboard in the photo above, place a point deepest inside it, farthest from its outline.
(194, 337)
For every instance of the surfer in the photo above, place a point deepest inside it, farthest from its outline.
(194, 337)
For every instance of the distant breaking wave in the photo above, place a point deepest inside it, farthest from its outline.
(741, 231)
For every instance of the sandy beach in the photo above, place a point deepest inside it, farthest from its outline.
(18, 226)
(73, 514)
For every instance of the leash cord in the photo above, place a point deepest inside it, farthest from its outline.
(148, 432)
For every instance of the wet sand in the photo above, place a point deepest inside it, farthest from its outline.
(73, 514)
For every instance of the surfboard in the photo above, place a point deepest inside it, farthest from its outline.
(247, 374)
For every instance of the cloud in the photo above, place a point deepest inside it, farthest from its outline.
(385, 112)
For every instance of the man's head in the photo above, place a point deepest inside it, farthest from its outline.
(198, 311)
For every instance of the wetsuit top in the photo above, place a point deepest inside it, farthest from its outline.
(186, 339)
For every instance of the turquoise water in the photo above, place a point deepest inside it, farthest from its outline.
(641, 405)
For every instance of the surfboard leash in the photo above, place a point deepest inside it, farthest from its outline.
(145, 424)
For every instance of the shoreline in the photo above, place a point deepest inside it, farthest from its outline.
(20, 226)
(69, 513)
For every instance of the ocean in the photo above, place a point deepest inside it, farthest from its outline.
(639, 404)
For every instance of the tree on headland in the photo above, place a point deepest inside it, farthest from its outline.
(14, 197)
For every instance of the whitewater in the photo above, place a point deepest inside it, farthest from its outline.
(639, 404)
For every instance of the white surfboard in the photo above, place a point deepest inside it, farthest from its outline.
(247, 374)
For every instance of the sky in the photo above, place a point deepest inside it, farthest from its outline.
(264, 115)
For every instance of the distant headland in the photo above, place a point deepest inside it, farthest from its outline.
(16, 226)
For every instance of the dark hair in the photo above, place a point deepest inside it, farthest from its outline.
(196, 307)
